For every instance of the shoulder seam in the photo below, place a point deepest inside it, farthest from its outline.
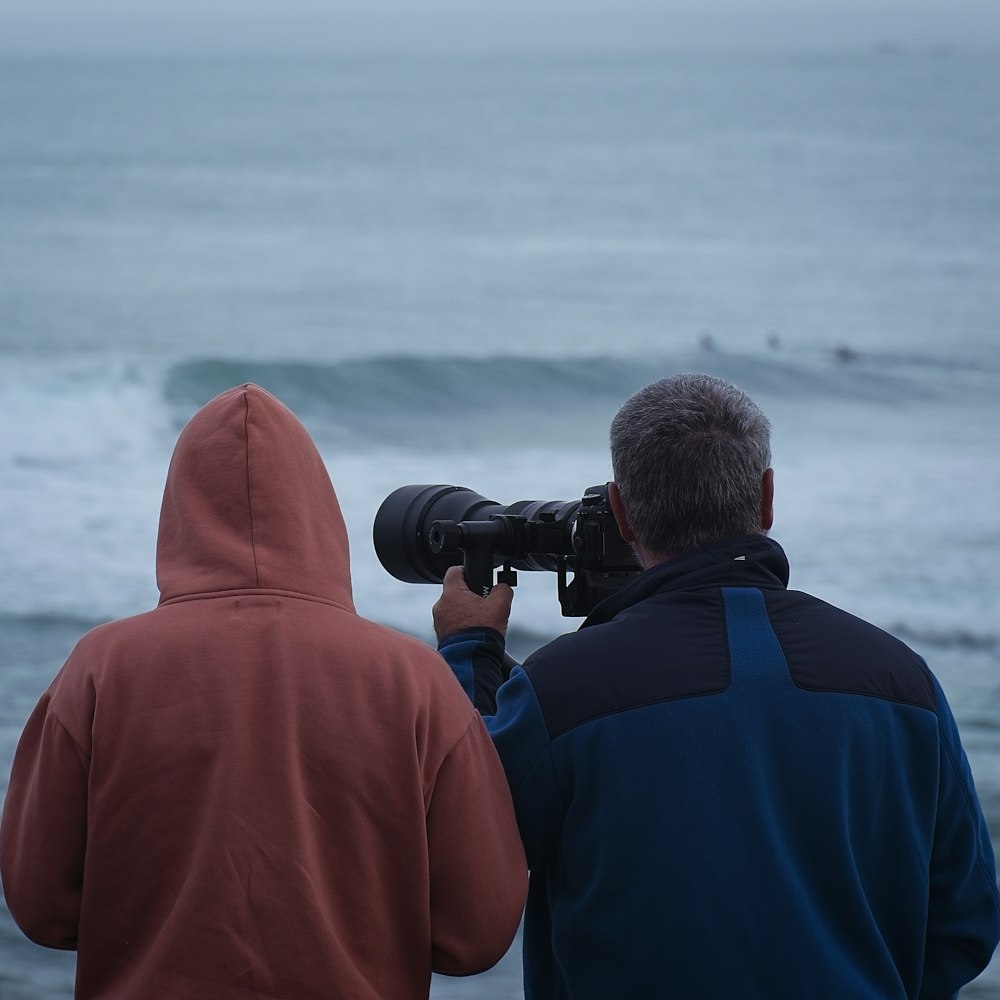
(83, 755)
(863, 694)
(546, 748)
(973, 812)
(623, 709)
(428, 791)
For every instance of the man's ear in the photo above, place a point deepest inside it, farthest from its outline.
(766, 500)
(621, 519)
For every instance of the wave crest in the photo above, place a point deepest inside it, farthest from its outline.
(405, 398)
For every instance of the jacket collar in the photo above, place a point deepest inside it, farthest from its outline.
(753, 560)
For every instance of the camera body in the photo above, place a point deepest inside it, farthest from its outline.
(420, 531)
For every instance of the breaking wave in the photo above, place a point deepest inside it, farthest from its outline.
(410, 396)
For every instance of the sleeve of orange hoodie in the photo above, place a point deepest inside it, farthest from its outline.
(43, 834)
(479, 878)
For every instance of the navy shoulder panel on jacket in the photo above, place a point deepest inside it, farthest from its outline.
(624, 664)
(674, 645)
(828, 649)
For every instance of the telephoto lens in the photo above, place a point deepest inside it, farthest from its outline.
(420, 531)
(402, 531)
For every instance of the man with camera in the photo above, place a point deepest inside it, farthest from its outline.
(726, 788)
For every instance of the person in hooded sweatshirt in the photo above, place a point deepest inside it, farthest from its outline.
(251, 791)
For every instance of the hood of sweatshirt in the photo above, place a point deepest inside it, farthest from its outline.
(248, 505)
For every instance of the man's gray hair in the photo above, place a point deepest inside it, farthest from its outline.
(689, 453)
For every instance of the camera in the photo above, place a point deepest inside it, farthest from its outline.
(420, 531)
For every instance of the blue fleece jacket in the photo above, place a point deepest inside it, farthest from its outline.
(727, 789)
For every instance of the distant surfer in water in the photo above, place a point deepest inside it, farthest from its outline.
(251, 791)
(726, 788)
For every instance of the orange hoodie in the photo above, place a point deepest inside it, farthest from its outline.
(251, 791)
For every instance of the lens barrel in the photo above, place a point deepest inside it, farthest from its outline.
(413, 550)
(421, 531)
(402, 530)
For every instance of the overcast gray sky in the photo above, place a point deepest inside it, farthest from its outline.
(27, 25)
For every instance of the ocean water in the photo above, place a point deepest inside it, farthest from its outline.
(454, 270)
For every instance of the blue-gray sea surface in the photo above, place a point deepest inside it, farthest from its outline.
(455, 269)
